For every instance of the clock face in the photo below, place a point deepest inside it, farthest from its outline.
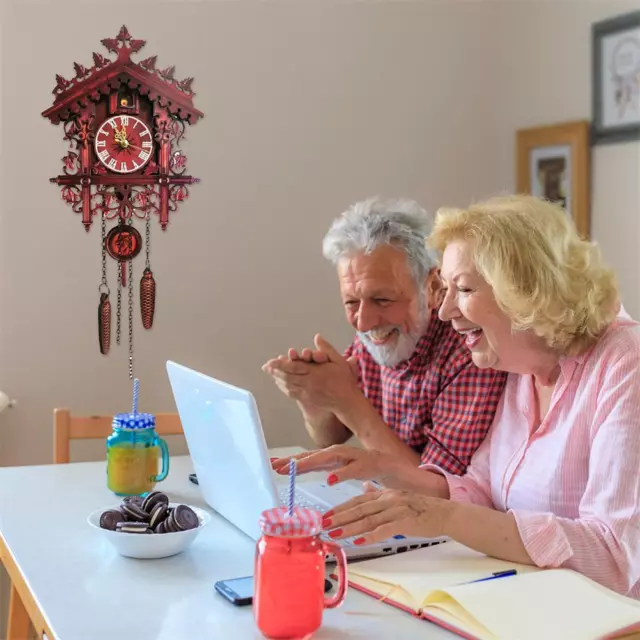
(123, 144)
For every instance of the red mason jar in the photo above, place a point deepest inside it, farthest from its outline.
(289, 574)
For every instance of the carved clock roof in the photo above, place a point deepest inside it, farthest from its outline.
(107, 75)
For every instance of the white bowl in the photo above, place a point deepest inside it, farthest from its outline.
(150, 545)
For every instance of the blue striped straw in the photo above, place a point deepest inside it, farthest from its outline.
(292, 485)
(136, 390)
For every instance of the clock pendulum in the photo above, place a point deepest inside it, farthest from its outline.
(123, 243)
(147, 283)
(104, 307)
(130, 288)
(118, 307)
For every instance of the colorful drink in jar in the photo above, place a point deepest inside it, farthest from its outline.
(133, 452)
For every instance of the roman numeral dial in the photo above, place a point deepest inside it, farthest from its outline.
(123, 144)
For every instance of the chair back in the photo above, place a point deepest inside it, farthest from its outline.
(67, 427)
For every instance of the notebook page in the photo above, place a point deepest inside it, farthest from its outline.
(443, 607)
(386, 591)
(556, 603)
(422, 570)
(451, 612)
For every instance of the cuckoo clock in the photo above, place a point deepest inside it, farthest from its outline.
(124, 121)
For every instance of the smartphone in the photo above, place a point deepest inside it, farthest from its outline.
(239, 591)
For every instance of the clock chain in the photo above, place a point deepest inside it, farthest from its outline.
(130, 269)
(118, 307)
(147, 240)
(104, 250)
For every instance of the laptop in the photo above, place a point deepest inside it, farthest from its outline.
(226, 442)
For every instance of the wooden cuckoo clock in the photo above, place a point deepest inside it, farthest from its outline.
(124, 122)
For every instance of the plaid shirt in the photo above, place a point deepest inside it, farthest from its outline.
(437, 401)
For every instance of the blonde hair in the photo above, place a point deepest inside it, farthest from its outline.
(544, 277)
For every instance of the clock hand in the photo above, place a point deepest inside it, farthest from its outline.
(120, 137)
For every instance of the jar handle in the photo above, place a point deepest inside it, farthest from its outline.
(165, 461)
(341, 559)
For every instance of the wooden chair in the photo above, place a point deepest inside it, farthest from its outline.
(67, 427)
(19, 624)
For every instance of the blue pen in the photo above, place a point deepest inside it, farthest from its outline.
(494, 576)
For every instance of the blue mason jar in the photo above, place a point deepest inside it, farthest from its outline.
(133, 451)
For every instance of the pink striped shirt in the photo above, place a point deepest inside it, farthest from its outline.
(572, 484)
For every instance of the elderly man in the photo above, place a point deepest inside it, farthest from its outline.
(406, 385)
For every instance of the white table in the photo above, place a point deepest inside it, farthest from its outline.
(83, 589)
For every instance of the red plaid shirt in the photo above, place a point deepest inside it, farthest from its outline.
(437, 401)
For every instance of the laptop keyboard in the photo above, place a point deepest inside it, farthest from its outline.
(302, 500)
(306, 501)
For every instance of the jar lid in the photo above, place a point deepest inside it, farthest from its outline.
(134, 421)
(303, 522)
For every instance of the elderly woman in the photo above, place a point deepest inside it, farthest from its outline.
(556, 483)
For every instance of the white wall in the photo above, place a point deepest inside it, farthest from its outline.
(308, 107)
(545, 77)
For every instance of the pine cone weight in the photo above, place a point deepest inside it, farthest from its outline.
(147, 298)
(104, 323)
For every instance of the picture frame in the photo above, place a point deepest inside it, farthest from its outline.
(554, 162)
(615, 51)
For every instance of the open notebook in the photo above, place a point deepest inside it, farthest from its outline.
(531, 605)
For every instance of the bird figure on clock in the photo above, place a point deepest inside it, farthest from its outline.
(124, 122)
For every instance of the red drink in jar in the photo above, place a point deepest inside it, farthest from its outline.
(289, 574)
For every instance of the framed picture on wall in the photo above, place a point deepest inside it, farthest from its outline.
(616, 79)
(553, 162)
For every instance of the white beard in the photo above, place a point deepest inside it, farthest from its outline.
(404, 345)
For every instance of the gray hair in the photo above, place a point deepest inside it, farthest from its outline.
(371, 223)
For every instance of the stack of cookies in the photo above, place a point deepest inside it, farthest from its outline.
(149, 515)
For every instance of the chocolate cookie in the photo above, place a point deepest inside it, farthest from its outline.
(185, 517)
(161, 528)
(154, 498)
(137, 500)
(134, 513)
(109, 519)
(169, 525)
(158, 514)
(133, 527)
